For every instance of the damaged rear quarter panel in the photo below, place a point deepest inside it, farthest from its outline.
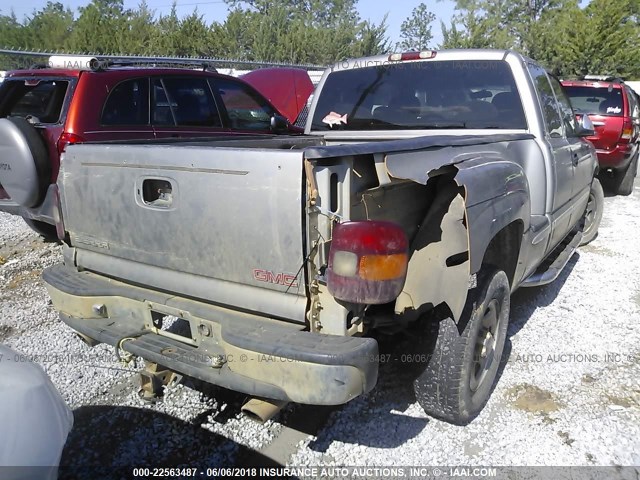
(457, 229)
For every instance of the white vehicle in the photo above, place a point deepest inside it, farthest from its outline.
(34, 420)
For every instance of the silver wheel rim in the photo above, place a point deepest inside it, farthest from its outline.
(485, 348)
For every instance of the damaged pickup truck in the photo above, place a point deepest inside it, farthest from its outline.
(428, 187)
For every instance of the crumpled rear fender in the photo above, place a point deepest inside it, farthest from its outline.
(480, 192)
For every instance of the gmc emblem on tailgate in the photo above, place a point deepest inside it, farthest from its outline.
(286, 279)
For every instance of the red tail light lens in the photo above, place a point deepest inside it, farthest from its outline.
(67, 139)
(367, 262)
(57, 213)
(627, 130)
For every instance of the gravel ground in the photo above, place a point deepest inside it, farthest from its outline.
(568, 393)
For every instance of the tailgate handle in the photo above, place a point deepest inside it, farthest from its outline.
(157, 192)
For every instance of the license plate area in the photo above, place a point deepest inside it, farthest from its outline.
(171, 323)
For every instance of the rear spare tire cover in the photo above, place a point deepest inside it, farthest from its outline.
(25, 170)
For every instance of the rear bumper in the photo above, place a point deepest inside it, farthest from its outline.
(617, 158)
(259, 357)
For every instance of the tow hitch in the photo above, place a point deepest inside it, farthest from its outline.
(152, 380)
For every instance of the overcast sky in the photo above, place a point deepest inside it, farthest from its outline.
(216, 10)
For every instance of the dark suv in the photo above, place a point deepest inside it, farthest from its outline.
(42, 110)
(614, 109)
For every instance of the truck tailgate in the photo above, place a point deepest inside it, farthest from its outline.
(219, 224)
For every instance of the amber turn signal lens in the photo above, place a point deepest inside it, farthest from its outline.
(383, 267)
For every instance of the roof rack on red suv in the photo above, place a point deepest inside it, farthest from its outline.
(83, 98)
(614, 110)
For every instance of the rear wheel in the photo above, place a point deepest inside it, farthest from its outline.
(460, 373)
(593, 212)
(624, 179)
(45, 230)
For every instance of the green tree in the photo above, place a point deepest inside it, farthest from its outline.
(193, 36)
(602, 37)
(139, 35)
(310, 31)
(232, 38)
(167, 29)
(610, 39)
(296, 31)
(372, 39)
(50, 27)
(13, 35)
(415, 31)
(556, 40)
(100, 28)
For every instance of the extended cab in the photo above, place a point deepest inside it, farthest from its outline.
(428, 187)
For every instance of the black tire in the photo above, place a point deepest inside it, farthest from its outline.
(593, 213)
(26, 168)
(45, 230)
(459, 375)
(624, 179)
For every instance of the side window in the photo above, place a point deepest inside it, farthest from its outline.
(547, 99)
(634, 107)
(245, 109)
(163, 111)
(188, 101)
(127, 104)
(566, 111)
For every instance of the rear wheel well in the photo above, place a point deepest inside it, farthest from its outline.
(504, 249)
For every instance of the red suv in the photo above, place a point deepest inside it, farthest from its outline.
(44, 109)
(614, 109)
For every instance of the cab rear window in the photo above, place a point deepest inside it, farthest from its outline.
(596, 100)
(421, 95)
(42, 99)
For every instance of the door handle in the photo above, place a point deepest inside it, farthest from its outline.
(157, 192)
(575, 158)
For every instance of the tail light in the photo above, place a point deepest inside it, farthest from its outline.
(400, 57)
(367, 262)
(627, 130)
(67, 139)
(57, 213)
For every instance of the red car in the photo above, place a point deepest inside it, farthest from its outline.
(614, 109)
(44, 109)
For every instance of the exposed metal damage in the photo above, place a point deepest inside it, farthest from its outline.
(443, 249)
(435, 220)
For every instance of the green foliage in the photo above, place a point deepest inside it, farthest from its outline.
(602, 37)
(310, 31)
(415, 31)
(613, 45)
(100, 28)
(50, 27)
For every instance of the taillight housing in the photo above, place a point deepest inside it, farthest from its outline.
(367, 262)
(67, 139)
(57, 213)
(627, 130)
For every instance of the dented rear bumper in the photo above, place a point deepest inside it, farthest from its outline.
(235, 350)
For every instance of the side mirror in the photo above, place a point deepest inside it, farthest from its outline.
(585, 126)
(279, 124)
